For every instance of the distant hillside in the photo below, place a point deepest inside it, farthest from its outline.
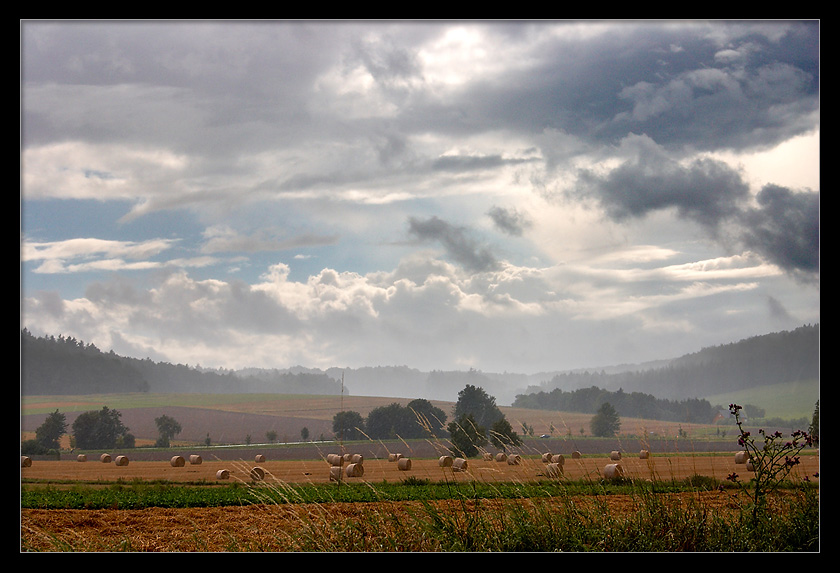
(781, 357)
(62, 366)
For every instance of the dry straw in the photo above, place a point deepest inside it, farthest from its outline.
(487, 457)
(105, 458)
(25, 461)
(357, 459)
(195, 459)
(501, 457)
(546, 458)
(257, 474)
(404, 464)
(554, 470)
(615, 455)
(81, 458)
(223, 474)
(459, 465)
(445, 461)
(741, 457)
(558, 459)
(121, 460)
(335, 459)
(514, 460)
(177, 461)
(259, 458)
(613, 471)
(335, 473)
(355, 470)
(644, 454)
(576, 455)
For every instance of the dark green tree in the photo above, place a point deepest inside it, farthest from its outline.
(391, 421)
(502, 435)
(99, 429)
(814, 427)
(429, 417)
(466, 436)
(348, 425)
(49, 433)
(605, 423)
(168, 428)
(304, 434)
(474, 401)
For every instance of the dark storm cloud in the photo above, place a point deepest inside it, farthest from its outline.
(458, 244)
(509, 221)
(686, 85)
(785, 228)
(706, 191)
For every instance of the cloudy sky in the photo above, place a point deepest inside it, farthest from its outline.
(505, 196)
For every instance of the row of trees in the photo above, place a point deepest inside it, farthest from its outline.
(477, 421)
(94, 430)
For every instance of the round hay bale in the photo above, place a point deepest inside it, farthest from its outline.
(105, 458)
(615, 455)
(259, 458)
(459, 465)
(554, 470)
(558, 459)
(25, 461)
(501, 457)
(546, 458)
(348, 458)
(750, 465)
(195, 459)
(121, 461)
(404, 464)
(354, 470)
(357, 459)
(644, 454)
(81, 458)
(487, 457)
(576, 455)
(741, 457)
(445, 461)
(335, 459)
(335, 473)
(393, 457)
(613, 471)
(514, 460)
(257, 473)
(223, 474)
(177, 461)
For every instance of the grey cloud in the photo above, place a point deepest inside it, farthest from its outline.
(509, 221)
(458, 244)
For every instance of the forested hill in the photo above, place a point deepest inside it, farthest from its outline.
(787, 356)
(65, 366)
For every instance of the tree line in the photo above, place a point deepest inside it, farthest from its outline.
(627, 404)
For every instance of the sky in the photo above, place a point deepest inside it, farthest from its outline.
(507, 196)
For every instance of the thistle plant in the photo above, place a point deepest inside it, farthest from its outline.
(772, 458)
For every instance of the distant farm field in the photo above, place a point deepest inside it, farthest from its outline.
(246, 418)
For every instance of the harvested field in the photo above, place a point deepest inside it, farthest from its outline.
(376, 470)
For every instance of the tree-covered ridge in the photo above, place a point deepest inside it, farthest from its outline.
(63, 365)
(780, 357)
(627, 404)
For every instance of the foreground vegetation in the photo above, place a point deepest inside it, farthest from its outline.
(696, 514)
